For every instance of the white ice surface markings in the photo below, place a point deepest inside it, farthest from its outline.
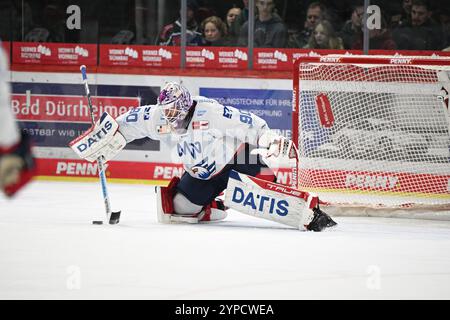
(50, 250)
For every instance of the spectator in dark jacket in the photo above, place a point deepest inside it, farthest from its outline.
(315, 13)
(352, 28)
(422, 33)
(244, 13)
(444, 21)
(270, 31)
(234, 24)
(404, 17)
(171, 33)
(379, 39)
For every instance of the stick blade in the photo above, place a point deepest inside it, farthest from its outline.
(115, 217)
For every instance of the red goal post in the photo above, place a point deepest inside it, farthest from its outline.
(373, 131)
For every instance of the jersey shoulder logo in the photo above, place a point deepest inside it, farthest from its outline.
(200, 125)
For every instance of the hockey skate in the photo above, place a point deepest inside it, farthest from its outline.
(213, 212)
(320, 221)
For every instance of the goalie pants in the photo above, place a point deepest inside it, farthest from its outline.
(203, 192)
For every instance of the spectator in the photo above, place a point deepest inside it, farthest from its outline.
(352, 28)
(126, 25)
(379, 39)
(171, 33)
(269, 31)
(336, 11)
(204, 11)
(16, 20)
(133, 25)
(244, 11)
(232, 14)
(324, 37)
(234, 24)
(52, 26)
(444, 21)
(214, 31)
(422, 32)
(404, 17)
(316, 12)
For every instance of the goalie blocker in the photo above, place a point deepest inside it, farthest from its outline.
(102, 140)
(276, 202)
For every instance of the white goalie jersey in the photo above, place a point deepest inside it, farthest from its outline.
(214, 135)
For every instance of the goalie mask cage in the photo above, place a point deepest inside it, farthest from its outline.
(373, 131)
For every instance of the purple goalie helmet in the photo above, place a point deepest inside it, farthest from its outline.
(175, 102)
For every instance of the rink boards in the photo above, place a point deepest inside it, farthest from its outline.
(51, 107)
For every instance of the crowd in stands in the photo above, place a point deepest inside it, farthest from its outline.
(314, 24)
(409, 25)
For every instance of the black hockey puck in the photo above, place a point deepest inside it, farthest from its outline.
(97, 222)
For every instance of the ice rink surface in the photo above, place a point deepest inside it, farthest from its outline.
(50, 250)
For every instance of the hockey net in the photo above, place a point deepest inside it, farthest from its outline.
(373, 131)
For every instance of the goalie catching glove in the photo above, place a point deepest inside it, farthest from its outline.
(102, 140)
(276, 150)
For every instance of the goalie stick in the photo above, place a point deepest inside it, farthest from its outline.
(112, 217)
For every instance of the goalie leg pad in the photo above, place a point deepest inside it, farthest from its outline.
(175, 207)
(164, 199)
(271, 201)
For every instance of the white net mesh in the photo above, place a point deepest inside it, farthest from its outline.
(374, 134)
